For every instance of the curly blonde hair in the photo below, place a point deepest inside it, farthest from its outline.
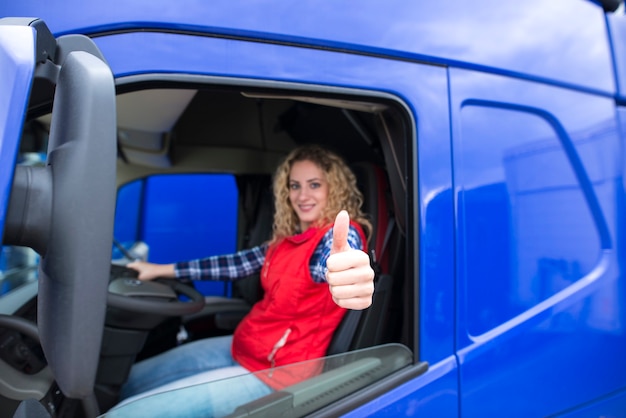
(343, 192)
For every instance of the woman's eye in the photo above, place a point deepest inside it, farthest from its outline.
(315, 185)
(294, 186)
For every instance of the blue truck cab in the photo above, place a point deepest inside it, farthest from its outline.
(487, 137)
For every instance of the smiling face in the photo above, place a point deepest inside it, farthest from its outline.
(308, 192)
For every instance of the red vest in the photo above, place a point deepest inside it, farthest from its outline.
(296, 318)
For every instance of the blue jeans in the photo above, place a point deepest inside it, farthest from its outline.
(200, 364)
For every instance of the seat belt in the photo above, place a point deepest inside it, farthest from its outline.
(377, 258)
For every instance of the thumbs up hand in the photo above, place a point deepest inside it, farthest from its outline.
(350, 276)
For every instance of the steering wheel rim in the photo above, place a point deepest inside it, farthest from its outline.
(21, 325)
(156, 307)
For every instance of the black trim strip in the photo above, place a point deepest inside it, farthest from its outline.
(372, 392)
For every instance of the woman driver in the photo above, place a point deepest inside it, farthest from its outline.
(297, 316)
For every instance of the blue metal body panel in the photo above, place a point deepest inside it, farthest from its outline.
(433, 394)
(493, 35)
(165, 225)
(17, 64)
(617, 30)
(539, 202)
(613, 405)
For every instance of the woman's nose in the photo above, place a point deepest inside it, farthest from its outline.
(303, 194)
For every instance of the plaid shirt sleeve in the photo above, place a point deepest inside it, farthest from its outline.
(229, 267)
(244, 263)
(317, 264)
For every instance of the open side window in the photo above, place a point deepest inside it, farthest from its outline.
(247, 131)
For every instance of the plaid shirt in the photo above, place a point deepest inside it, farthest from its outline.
(244, 263)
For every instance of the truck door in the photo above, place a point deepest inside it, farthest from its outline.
(64, 210)
(538, 192)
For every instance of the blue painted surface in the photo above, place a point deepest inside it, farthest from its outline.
(617, 31)
(170, 202)
(514, 39)
(180, 217)
(613, 405)
(127, 214)
(539, 197)
(17, 63)
(433, 394)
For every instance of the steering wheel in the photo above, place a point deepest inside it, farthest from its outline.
(157, 297)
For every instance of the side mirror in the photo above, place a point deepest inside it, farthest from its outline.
(65, 211)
